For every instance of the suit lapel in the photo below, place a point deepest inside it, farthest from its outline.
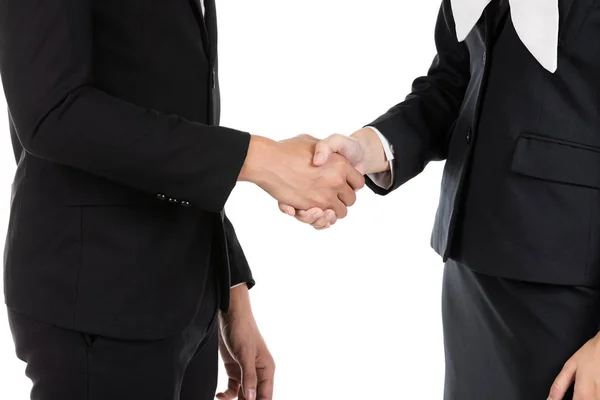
(210, 20)
(201, 19)
(564, 7)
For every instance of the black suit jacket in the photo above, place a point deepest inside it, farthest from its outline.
(520, 195)
(117, 204)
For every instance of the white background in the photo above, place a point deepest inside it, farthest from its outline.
(354, 312)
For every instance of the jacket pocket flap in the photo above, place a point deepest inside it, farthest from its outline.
(557, 160)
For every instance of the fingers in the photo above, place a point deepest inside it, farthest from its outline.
(331, 217)
(249, 378)
(265, 389)
(286, 209)
(315, 217)
(318, 218)
(339, 208)
(233, 388)
(563, 381)
(352, 182)
(310, 216)
(355, 179)
(266, 381)
(348, 196)
(321, 223)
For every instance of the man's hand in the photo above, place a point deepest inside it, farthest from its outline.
(363, 150)
(584, 369)
(247, 359)
(285, 170)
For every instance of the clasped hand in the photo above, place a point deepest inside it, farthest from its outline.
(328, 152)
(314, 181)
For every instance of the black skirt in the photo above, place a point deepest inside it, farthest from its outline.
(508, 340)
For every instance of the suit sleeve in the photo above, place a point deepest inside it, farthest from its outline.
(47, 73)
(238, 265)
(418, 128)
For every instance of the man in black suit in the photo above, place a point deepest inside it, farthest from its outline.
(511, 103)
(118, 254)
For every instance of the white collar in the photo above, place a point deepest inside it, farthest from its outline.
(536, 23)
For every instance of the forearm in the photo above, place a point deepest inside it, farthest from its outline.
(156, 153)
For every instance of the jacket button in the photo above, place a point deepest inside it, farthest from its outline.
(185, 203)
(161, 196)
(468, 136)
(172, 200)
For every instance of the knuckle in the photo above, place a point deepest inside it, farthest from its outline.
(250, 379)
(339, 181)
(323, 202)
(337, 137)
(569, 365)
(351, 200)
(323, 145)
(246, 356)
(304, 219)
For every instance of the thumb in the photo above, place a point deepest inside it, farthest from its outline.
(345, 146)
(249, 378)
(322, 153)
(563, 381)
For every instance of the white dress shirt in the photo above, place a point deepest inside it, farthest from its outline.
(385, 179)
(536, 23)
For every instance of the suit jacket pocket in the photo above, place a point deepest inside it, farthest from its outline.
(557, 160)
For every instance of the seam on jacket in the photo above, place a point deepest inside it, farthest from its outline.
(79, 266)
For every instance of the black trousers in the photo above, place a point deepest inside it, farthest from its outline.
(508, 339)
(69, 365)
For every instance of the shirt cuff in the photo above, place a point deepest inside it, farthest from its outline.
(239, 284)
(384, 180)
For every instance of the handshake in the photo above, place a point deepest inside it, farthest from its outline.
(314, 180)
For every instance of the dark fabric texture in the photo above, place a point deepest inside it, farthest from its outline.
(520, 193)
(508, 339)
(71, 365)
(123, 173)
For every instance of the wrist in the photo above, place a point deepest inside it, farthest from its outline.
(257, 161)
(239, 303)
(373, 153)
